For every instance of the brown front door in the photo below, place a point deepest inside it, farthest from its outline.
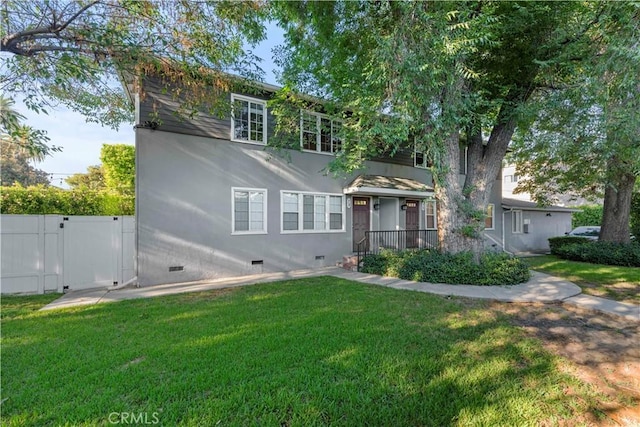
(360, 220)
(413, 223)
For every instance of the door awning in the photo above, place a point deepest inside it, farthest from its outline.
(378, 185)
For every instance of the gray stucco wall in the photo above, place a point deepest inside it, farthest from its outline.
(184, 207)
(541, 227)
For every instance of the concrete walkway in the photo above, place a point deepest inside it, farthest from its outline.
(540, 288)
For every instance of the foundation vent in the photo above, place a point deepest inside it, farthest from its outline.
(176, 268)
(257, 262)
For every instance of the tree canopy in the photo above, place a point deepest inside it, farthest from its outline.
(585, 140)
(116, 173)
(437, 74)
(74, 51)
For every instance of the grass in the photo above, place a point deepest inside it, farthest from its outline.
(321, 351)
(607, 281)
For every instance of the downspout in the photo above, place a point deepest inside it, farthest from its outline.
(504, 247)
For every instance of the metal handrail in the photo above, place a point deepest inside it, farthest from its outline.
(359, 255)
(395, 240)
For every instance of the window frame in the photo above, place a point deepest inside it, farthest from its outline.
(493, 217)
(426, 214)
(425, 162)
(464, 155)
(516, 221)
(265, 205)
(236, 97)
(327, 213)
(318, 132)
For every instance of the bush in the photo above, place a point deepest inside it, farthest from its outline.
(609, 253)
(438, 267)
(555, 243)
(41, 200)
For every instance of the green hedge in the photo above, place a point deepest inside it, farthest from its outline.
(438, 267)
(555, 243)
(609, 253)
(41, 200)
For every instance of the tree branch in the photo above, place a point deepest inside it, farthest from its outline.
(11, 42)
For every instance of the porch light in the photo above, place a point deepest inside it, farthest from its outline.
(376, 206)
(403, 207)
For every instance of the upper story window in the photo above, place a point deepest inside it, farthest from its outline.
(489, 218)
(420, 159)
(319, 133)
(248, 119)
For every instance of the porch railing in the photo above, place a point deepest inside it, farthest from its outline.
(395, 240)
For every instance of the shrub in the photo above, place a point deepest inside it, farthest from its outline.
(609, 253)
(41, 200)
(438, 267)
(555, 243)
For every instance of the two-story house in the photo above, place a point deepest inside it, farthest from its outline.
(212, 202)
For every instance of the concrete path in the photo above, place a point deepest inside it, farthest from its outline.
(540, 288)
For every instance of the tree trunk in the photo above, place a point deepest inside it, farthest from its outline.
(617, 204)
(455, 234)
(461, 207)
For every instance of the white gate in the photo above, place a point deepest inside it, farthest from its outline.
(54, 253)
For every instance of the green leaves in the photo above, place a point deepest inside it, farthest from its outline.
(82, 53)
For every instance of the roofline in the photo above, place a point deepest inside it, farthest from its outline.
(548, 208)
(386, 191)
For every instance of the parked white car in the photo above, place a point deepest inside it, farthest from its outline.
(590, 232)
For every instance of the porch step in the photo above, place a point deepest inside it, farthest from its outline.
(349, 262)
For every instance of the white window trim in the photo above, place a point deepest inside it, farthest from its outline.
(516, 226)
(466, 161)
(233, 209)
(415, 158)
(493, 216)
(236, 97)
(301, 212)
(435, 214)
(318, 116)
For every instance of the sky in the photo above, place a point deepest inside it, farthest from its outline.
(81, 141)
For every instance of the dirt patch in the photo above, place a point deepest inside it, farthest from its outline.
(602, 350)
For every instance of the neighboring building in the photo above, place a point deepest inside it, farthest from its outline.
(510, 180)
(528, 227)
(212, 203)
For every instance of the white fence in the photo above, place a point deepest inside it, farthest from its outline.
(52, 253)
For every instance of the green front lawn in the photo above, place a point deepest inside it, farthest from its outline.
(607, 281)
(321, 351)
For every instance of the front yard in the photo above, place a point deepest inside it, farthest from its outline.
(321, 351)
(607, 281)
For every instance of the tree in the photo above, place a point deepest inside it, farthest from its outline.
(16, 168)
(118, 165)
(33, 143)
(73, 52)
(19, 144)
(439, 74)
(587, 140)
(116, 173)
(93, 179)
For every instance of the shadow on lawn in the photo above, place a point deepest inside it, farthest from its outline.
(338, 353)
